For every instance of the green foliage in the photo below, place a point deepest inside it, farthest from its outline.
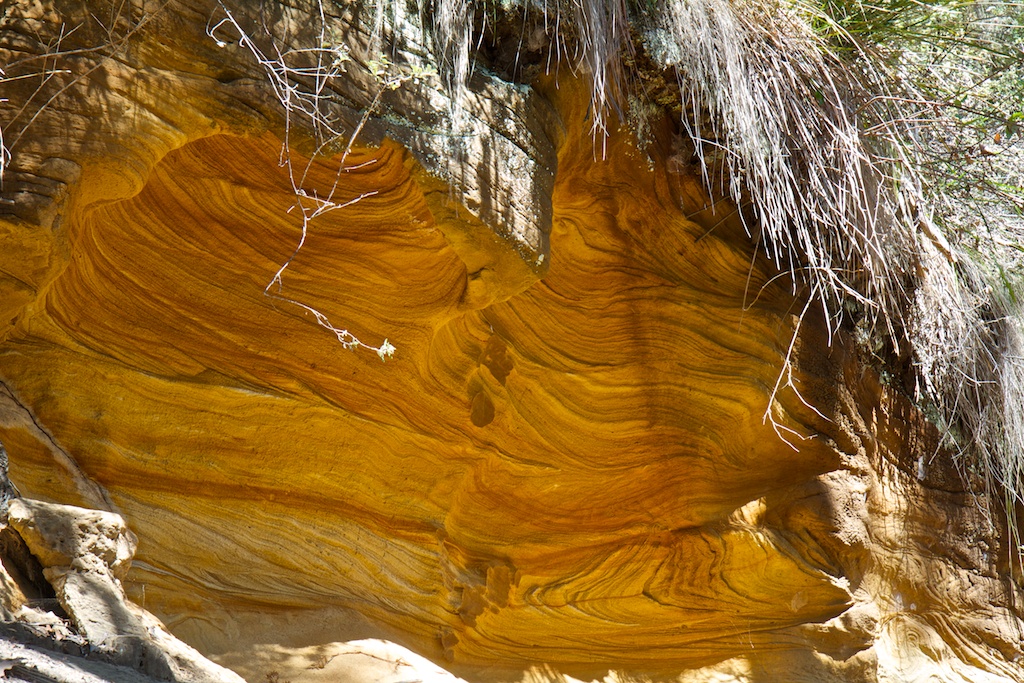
(947, 78)
(962, 65)
(878, 146)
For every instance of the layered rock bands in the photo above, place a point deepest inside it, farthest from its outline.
(589, 452)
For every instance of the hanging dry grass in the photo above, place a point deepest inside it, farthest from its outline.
(828, 150)
(825, 144)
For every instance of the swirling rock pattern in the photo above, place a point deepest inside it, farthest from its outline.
(566, 467)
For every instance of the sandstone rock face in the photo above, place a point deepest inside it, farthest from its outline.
(581, 458)
(94, 633)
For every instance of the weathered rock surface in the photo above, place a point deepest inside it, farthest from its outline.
(565, 469)
(93, 632)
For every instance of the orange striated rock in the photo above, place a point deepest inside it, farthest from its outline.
(576, 461)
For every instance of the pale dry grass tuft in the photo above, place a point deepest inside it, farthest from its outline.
(825, 151)
(831, 155)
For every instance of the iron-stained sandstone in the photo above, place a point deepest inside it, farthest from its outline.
(581, 458)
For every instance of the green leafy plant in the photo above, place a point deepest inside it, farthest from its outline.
(877, 149)
(874, 151)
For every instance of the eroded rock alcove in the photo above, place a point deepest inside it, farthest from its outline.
(576, 461)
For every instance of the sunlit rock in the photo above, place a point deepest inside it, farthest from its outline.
(588, 455)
